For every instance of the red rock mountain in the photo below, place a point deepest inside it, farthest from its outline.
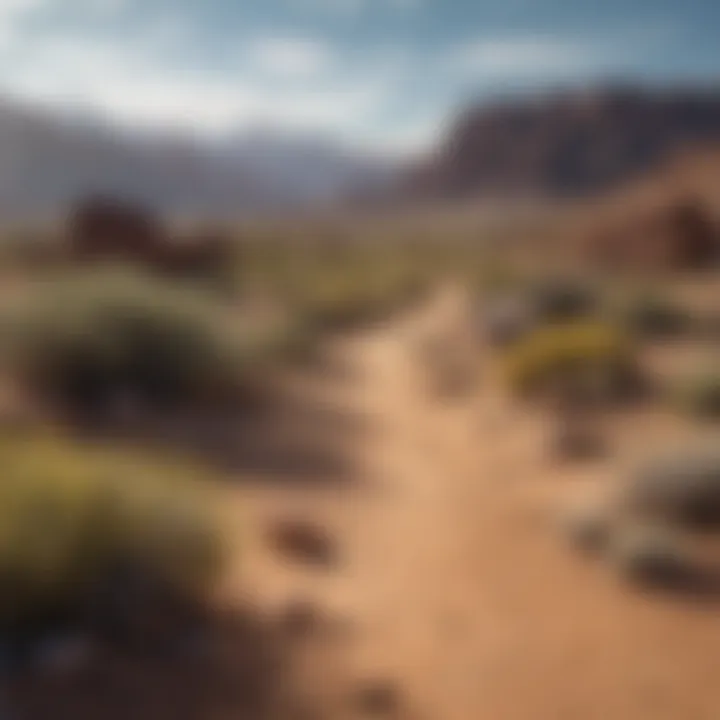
(567, 143)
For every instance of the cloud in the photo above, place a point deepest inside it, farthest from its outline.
(291, 57)
(132, 84)
(162, 74)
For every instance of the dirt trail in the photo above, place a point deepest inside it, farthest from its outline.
(459, 592)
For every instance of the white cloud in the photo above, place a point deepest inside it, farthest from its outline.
(129, 84)
(291, 57)
(293, 80)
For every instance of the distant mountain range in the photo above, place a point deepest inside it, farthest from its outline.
(49, 159)
(566, 143)
(576, 142)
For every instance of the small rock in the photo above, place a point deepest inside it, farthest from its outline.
(304, 542)
(588, 531)
(576, 443)
(377, 698)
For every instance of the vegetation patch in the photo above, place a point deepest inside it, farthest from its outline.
(683, 489)
(651, 555)
(89, 341)
(699, 395)
(98, 538)
(590, 359)
(654, 315)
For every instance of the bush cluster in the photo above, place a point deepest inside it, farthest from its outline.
(81, 529)
(89, 340)
(653, 315)
(588, 358)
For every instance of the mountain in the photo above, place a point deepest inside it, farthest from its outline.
(566, 143)
(49, 158)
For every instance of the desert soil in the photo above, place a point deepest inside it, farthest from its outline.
(458, 587)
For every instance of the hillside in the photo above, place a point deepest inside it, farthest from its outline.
(568, 143)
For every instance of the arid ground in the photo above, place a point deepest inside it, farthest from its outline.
(454, 584)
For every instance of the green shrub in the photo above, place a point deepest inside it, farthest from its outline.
(699, 395)
(510, 317)
(73, 519)
(587, 358)
(653, 315)
(683, 489)
(84, 341)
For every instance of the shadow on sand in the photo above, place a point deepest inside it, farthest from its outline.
(240, 669)
(298, 432)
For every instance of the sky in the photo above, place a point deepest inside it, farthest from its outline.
(377, 72)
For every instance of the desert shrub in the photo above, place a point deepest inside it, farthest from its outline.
(584, 358)
(562, 300)
(509, 317)
(654, 315)
(81, 530)
(699, 395)
(651, 555)
(88, 340)
(683, 489)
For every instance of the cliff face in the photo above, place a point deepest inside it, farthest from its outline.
(572, 143)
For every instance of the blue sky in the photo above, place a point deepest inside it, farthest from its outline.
(380, 72)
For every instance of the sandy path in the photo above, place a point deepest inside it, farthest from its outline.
(473, 607)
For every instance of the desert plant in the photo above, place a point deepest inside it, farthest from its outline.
(699, 395)
(651, 555)
(82, 529)
(683, 489)
(579, 359)
(654, 315)
(86, 341)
